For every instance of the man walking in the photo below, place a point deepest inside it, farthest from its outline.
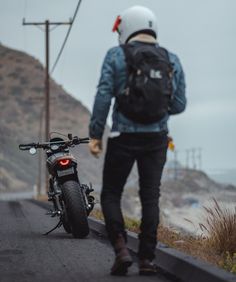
(148, 85)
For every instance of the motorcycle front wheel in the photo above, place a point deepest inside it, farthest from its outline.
(75, 209)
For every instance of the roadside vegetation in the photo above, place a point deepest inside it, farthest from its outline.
(216, 244)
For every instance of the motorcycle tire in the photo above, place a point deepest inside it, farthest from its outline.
(75, 208)
(66, 223)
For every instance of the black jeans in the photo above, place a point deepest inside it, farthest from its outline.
(149, 150)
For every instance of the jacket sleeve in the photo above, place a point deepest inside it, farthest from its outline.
(179, 101)
(104, 95)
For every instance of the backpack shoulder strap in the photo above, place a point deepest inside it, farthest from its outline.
(128, 54)
(163, 52)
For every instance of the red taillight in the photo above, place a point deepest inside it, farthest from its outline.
(64, 162)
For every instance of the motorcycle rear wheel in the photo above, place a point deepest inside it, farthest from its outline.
(65, 222)
(75, 209)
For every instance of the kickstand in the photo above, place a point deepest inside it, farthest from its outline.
(59, 224)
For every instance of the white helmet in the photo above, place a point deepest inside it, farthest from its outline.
(134, 20)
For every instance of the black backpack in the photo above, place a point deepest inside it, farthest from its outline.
(148, 90)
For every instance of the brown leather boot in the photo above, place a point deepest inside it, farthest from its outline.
(147, 267)
(123, 258)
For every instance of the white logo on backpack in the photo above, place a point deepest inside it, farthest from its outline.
(155, 74)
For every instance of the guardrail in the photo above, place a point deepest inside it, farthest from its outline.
(180, 265)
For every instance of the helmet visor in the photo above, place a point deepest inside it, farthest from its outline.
(117, 24)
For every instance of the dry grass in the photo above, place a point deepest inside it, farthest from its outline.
(220, 228)
(131, 224)
(216, 245)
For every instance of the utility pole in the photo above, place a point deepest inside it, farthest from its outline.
(47, 83)
(193, 158)
(176, 164)
(47, 25)
(187, 158)
(200, 158)
(39, 188)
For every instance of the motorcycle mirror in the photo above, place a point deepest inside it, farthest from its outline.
(32, 151)
(70, 136)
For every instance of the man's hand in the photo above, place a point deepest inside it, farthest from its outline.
(95, 147)
(171, 144)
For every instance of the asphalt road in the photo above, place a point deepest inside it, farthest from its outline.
(27, 255)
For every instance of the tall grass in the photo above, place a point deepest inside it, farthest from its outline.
(220, 228)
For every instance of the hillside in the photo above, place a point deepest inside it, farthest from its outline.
(22, 99)
(182, 199)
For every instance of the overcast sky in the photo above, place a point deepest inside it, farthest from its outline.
(202, 33)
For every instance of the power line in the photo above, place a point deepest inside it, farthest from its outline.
(67, 35)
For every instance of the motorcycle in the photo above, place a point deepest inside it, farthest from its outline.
(72, 201)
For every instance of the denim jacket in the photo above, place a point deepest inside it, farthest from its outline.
(112, 83)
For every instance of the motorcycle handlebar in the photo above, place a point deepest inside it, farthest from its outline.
(83, 140)
(25, 147)
(46, 145)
